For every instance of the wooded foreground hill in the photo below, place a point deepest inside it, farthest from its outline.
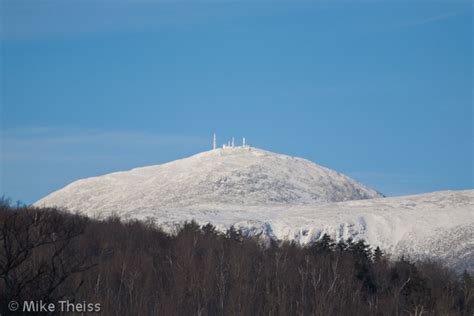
(134, 268)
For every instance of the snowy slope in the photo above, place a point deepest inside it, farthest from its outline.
(436, 225)
(276, 196)
(239, 175)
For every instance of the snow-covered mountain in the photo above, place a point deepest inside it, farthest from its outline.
(436, 225)
(281, 197)
(241, 175)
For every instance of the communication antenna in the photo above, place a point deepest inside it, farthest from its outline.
(243, 142)
(232, 142)
(214, 142)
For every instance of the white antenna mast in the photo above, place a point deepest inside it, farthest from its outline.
(214, 142)
(232, 142)
(243, 142)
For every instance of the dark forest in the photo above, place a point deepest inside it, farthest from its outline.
(134, 268)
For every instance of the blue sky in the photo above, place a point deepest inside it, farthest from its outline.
(378, 90)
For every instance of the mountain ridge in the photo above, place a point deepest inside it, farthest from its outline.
(242, 175)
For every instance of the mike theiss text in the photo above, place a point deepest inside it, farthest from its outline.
(60, 306)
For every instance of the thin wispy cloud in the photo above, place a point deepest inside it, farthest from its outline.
(431, 19)
(43, 19)
(28, 19)
(74, 145)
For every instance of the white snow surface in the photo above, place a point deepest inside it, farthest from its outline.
(238, 175)
(280, 197)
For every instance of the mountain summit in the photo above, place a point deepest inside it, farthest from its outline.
(232, 175)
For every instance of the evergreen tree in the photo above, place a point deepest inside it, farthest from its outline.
(324, 245)
(378, 255)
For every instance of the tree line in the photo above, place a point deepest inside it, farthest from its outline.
(134, 268)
